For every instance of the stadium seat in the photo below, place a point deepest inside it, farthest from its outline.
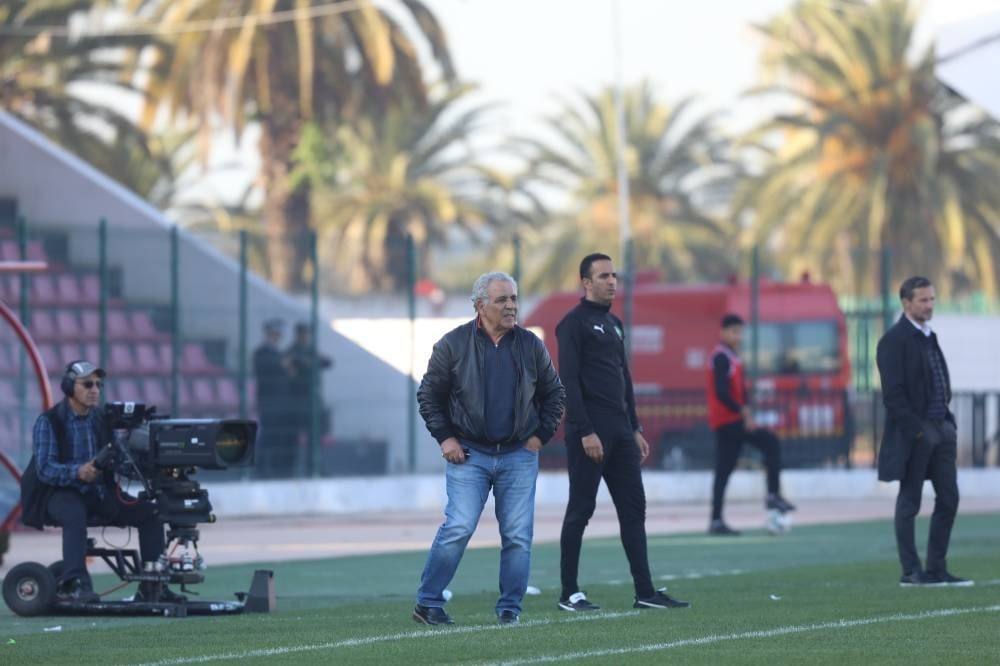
(43, 326)
(50, 357)
(7, 358)
(69, 352)
(90, 324)
(68, 289)
(203, 392)
(119, 327)
(90, 289)
(194, 360)
(228, 395)
(154, 393)
(10, 289)
(68, 324)
(91, 351)
(121, 360)
(43, 290)
(125, 389)
(8, 398)
(142, 326)
(185, 398)
(147, 360)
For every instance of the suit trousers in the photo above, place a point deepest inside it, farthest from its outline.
(932, 457)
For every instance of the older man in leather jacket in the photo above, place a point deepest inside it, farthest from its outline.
(491, 398)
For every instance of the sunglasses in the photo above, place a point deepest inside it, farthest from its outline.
(89, 384)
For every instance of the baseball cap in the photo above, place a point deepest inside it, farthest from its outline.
(79, 369)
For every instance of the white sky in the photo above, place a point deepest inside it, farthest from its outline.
(526, 55)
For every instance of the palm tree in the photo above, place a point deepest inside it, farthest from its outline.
(877, 154)
(40, 77)
(325, 66)
(408, 171)
(674, 162)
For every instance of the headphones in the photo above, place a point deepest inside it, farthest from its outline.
(74, 371)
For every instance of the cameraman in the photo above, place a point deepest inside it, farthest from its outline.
(65, 441)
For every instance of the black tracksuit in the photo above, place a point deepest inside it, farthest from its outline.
(599, 399)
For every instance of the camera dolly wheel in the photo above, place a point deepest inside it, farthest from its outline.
(57, 568)
(29, 589)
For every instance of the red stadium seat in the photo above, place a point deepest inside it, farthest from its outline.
(90, 289)
(121, 360)
(68, 289)
(195, 361)
(43, 290)
(43, 326)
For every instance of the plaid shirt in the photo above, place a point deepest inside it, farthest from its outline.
(937, 407)
(82, 434)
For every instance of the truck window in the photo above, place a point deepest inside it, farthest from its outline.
(814, 344)
(794, 347)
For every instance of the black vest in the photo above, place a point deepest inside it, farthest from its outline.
(35, 493)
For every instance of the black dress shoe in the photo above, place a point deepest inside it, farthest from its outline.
(945, 579)
(78, 591)
(719, 528)
(431, 615)
(508, 617)
(912, 579)
(660, 600)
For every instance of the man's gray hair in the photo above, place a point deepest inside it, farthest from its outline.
(479, 292)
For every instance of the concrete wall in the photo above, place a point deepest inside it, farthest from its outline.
(427, 491)
(53, 187)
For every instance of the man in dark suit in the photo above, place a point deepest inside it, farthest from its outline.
(919, 441)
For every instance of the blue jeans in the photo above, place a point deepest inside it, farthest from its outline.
(512, 477)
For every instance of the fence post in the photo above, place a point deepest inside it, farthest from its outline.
(314, 403)
(242, 365)
(628, 305)
(754, 320)
(885, 277)
(516, 244)
(102, 268)
(24, 314)
(411, 398)
(175, 323)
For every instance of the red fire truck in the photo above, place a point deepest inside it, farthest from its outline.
(803, 368)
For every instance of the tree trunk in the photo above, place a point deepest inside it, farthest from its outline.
(285, 212)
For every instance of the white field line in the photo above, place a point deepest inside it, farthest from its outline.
(384, 638)
(752, 635)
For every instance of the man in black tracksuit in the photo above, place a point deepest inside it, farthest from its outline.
(603, 435)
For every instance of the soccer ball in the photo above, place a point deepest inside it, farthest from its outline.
(778, 523)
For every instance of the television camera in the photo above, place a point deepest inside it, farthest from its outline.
(162, 454)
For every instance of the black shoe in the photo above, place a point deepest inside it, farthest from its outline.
(508, 617)
(719, 528)
(945, 579)
(912, 579)
(431, 615)
(78, 591)
(660, 600)
(148, 592)
(577, 602)
(779, 503)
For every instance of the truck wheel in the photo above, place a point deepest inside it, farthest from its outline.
(29, 589)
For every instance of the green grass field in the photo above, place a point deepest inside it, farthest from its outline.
(824, 594)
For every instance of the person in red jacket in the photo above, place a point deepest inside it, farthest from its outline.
(730, 419)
